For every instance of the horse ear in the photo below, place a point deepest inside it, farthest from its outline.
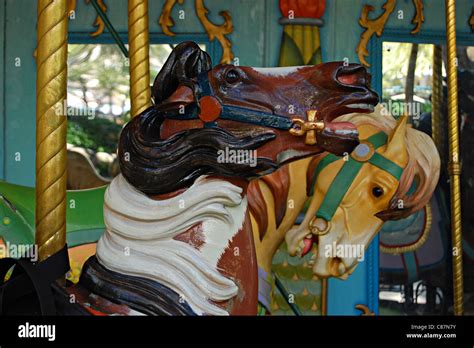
(396, 146)
(185, 62)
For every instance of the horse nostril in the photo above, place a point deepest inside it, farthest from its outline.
(348, 79)
(353, 77)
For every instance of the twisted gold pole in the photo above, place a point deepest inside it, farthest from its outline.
(51, 127)
(454, 165)
(140, 93)
(438, 124)
(324, 296)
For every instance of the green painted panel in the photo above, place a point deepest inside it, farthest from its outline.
(85, 218)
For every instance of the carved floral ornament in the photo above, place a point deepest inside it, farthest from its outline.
(99, 23)
(213, 31)
(377, 25)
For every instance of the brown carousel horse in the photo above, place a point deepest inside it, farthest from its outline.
(348, 198)
(178, 237)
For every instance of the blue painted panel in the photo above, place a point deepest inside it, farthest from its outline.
(343, 295)
(20, 92)
(360, 288)
(434, 11)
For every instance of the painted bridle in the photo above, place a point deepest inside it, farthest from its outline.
(364, 153)
(209, 109)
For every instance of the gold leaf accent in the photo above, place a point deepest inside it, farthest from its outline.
(365, 310)
(424, 236)
(454, 165)
(419, 17)
(99, 23)
(138, 40)
(166, 21)
(217, 31)
(372, 27)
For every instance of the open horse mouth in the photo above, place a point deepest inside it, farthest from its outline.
(308, 242)
(335, 266)
(363, 106)
(347, 89)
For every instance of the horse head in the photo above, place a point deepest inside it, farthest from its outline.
(389, 175)
(283, 113)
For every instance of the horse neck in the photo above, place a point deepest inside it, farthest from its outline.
(267, 245)
(188, 242)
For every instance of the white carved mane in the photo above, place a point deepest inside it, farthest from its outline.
(138, 240)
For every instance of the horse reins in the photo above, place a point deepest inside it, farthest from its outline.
(209, 109)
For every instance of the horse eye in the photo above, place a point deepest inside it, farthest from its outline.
(232, 76)
(377, 191)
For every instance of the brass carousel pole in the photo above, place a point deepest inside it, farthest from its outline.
(51, 127)
(454, 166)
(140, 93)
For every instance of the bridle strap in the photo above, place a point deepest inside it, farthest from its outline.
(338, 189)
(347, 174)
(385, 164)
(231, 113)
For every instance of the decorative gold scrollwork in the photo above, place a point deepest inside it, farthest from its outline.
(217, 31)
(365, 310)
(372, 27)
(213, 31)
(99, 23)
(419, 17)
(166, 21)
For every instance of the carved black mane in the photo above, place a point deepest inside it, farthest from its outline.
(156, 166)
(143, 295)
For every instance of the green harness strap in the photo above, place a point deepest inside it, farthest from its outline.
(347, 174)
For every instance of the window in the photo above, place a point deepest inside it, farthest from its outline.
(98, 105)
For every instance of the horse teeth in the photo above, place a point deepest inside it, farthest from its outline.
(361, 106)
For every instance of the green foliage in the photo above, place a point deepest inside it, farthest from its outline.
(98, 134)
(394, 69)
(98, 81)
